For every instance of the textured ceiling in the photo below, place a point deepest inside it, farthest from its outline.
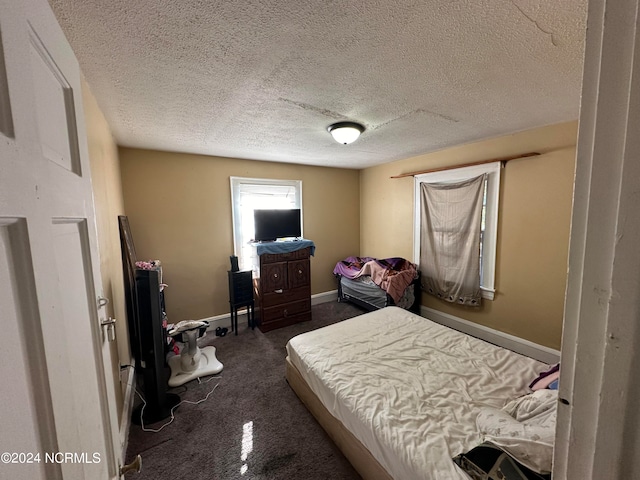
(262, 79)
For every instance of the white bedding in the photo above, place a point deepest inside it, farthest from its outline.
(408, 388)
(525, 428)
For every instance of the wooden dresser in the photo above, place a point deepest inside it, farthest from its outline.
(283, 291)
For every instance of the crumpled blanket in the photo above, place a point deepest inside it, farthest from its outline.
(525, 428)
(393, 275)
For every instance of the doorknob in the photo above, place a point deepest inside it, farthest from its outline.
(109, 328)
(134, 466)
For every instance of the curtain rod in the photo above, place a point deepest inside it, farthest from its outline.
(439, 169)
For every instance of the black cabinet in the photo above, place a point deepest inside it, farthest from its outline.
(240, 296)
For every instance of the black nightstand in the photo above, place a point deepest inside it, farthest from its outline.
(241, 295)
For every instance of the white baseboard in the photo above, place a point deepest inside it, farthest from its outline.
(224, 320)
(324, 297)
(128, 379)
(516, 344)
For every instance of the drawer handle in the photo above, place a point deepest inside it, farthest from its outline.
(299, 272)
(278, 290)
(285, 313)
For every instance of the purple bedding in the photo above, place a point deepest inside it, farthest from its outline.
(393, 275)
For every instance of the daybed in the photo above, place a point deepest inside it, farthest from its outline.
(400, 394)
(377, 283)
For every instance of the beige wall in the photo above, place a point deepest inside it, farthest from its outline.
(179, 209)
(533, 233)
(107, 196)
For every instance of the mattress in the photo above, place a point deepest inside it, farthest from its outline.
(408, 388)
(363, 289)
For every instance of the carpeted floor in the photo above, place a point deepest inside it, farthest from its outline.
(252, 426)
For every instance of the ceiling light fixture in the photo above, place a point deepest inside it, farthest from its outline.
(345, 132)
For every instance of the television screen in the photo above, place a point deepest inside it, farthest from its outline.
(273, 224)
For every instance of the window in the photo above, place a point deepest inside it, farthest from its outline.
(489, 227)
(248, 194)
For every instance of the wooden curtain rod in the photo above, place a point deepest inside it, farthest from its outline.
(439, 169)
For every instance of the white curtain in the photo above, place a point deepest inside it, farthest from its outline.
(451, 215)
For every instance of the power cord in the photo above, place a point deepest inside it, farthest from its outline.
(144, 404)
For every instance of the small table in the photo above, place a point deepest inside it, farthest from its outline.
(241, 295)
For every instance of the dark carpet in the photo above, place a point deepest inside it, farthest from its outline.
(253, 426)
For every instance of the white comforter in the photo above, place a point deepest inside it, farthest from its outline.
(409, 389)
(525, 428)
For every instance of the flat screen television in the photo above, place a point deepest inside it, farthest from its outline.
(273, 224)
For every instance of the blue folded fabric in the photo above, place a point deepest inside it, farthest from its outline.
(285, 246)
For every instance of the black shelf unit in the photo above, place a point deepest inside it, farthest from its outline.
(241, 295)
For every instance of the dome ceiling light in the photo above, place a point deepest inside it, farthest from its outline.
(345, 132)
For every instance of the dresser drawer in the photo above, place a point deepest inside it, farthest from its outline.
(273, 276)
(285, 310)
(285, 257)
(302, 253)
(284, 322)
(299, 272)
(269, 299)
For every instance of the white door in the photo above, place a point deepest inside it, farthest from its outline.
(58, 418)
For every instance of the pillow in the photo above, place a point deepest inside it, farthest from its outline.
(546, 379)
(525, 428)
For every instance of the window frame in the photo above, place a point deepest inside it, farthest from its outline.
(236, 182)
(490, 237)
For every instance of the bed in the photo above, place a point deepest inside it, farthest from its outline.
(400, 395)
(377, 283)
